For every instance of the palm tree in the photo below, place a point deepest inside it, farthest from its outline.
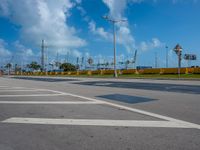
(68, 67)
(8, 66)
(34, 65)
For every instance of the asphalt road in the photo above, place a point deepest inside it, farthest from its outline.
(45, 113)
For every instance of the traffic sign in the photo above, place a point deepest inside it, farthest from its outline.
(190, 57)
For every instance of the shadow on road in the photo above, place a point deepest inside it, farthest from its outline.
(46, 79)
(189, 89)
(126, 98)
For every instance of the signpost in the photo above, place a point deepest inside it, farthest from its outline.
(190, 57)
(90, 61)
(178, 50)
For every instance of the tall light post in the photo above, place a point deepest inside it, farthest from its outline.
(166, 56)
(113, 21)
(43, 46)
(178, 49)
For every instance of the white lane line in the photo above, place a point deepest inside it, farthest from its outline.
(31, 95)
(49, 102)
(7, 88)
(169, 119)
(20, 90)
(96, 122)
(192, 125)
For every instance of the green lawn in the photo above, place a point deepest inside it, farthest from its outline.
(170, 76)
(145, 76)
(141, 76)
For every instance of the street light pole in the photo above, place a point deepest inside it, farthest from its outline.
(166, 56)
(113, 21)
(156, 60)
(114, 47)
(179, 63)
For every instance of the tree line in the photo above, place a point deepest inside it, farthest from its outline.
(34, 66)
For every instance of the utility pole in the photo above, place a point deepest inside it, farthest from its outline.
(42, 55)
(67, 57)
(134, 60)
(77, 63)
(47, 62)
(166, 56)
(21, 65)
(10, 65)
(156, 60)
(114, 21)
(57, 60)
(82, 61)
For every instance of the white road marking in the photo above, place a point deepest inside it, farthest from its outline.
(10, 88)
(31, 95)
(57, 93)
(196, 126)
(102, 84)
(49, 102)
(96, 122)
(20, 90)
(170, 122)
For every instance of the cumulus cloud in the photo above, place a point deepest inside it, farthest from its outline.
(22, 50)
(99, 31)
(117, 7)
(116, 11)
(125, 38)
(43, 19)
(154, 43)
(76, 53)
(4, 52)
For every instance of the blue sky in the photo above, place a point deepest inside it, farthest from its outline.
(76, 28)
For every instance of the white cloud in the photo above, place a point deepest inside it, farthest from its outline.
(4, 52)
(99, 31)
(22, 50)
(116, 11)
(72, 53)
(43, 19)
(78, 1)
(125, 38)
(87, 54)
(82, 10)
(76, 53)
(154, 43)
(123, 35)
(117, 7)
(22, 54)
